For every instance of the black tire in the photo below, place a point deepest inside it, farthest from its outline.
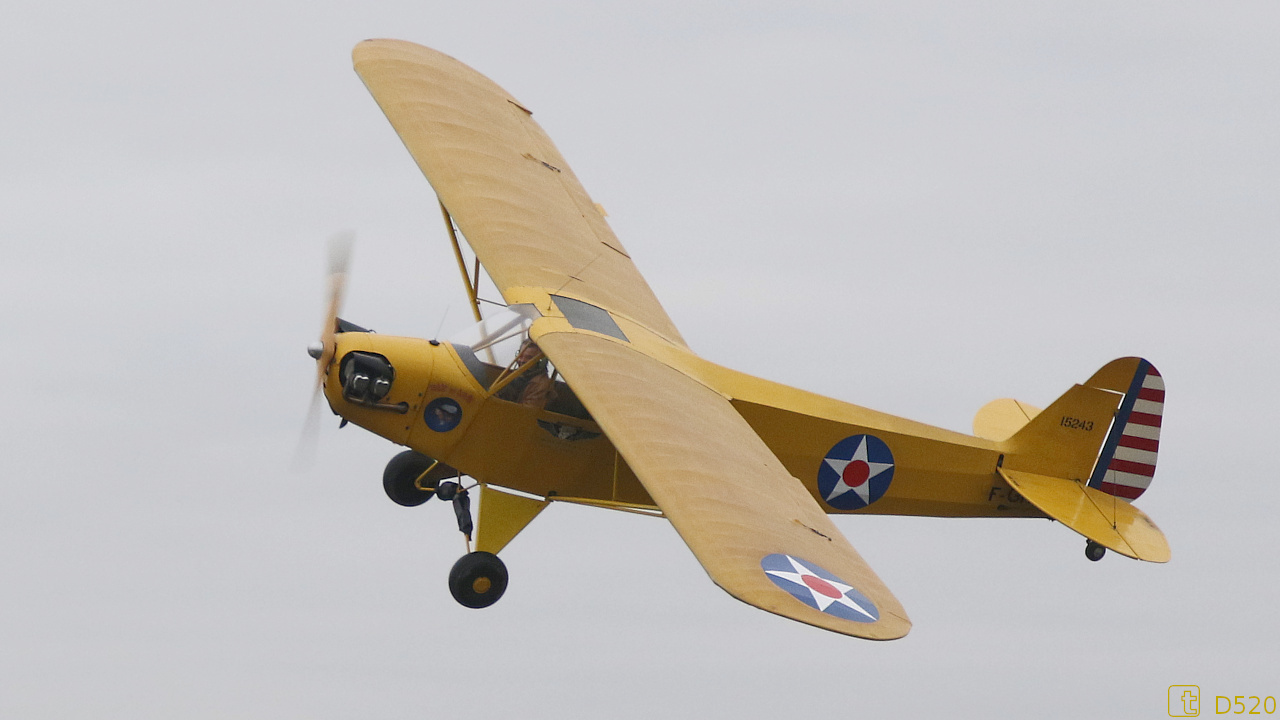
(1094, 551)
(478, 580)
(398, 480)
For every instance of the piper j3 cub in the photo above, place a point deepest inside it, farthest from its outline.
(580, 389)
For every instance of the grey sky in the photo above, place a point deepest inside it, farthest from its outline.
(916, 209)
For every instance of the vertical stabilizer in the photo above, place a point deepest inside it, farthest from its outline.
(1063, 440)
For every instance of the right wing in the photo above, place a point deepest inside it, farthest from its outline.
(755, 529)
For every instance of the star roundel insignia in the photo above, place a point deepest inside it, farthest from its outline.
(819, 589)
(442, 414)
(855, 472)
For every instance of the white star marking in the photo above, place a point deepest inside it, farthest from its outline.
(823, 601)
(863, 491)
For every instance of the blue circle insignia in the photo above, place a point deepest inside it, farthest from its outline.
(855, 472)
(442, 414)
(819, 589)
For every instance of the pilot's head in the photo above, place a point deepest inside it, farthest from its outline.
(528, 351)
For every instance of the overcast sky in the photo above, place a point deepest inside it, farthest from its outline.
(916, 209)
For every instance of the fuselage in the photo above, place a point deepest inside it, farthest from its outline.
(440, 400)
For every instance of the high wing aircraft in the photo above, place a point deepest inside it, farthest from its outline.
(578, 388)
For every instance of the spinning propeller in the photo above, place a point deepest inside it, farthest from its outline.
(340, 247)
(478, 579)
(339, 262)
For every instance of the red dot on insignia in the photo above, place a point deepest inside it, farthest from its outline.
(856, 473)
(821, 586)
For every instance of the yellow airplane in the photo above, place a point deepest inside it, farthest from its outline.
(578, 388)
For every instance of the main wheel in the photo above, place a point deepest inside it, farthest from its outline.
(1094, 551)
(399, 480)
(478, 579)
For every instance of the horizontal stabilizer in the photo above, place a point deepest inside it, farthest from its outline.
(999, 419)
(1103, 518)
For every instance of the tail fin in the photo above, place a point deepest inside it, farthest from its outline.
(1083, 458)
(1063, 440)
(1104, 433)
(1128, 460)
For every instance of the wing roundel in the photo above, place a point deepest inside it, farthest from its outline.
(755, 529)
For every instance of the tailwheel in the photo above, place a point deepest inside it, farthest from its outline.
(478, 579)
(1094, 551)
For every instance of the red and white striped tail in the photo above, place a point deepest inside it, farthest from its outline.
(1128, 459)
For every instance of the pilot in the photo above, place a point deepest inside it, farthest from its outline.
(533, 387)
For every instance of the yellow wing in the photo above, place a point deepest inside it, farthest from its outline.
(752, 525)
(513, 196)
(757, 532)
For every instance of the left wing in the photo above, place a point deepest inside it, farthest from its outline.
(755, 529)
(521, 208)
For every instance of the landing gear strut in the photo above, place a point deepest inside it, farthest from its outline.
(1094, 551)
(411, 478)
(479, 578)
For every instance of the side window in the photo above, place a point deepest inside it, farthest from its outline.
(540, 386)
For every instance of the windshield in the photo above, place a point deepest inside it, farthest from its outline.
(496, 339)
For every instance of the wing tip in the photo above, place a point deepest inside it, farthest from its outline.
(374, 48)
(892, 624)
(374, 59)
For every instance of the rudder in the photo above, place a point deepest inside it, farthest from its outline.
(1127, 462)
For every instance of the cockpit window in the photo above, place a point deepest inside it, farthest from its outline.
(489, 350)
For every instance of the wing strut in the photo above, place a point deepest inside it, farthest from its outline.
(472, 287)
